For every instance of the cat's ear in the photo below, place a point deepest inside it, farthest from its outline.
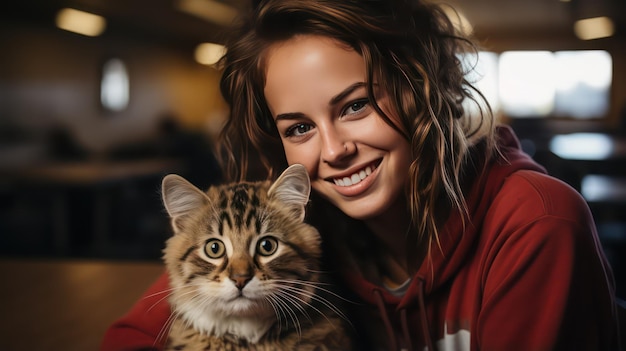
(180, 198)
(292, 188)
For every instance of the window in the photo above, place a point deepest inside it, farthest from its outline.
(574, 84)
(526, 83)
(583, 80)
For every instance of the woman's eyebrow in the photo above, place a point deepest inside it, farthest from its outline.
(289, 116)
(334, 100)
(337, 98)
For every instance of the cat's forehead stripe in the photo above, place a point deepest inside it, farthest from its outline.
(239, 203)
(223, 218)
(253, 218)
(235, 202)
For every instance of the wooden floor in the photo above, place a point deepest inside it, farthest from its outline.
(66, 305)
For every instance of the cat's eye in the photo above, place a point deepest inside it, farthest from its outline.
(267, 246)
(214, 248)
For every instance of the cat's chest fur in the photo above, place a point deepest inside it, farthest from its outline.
(244, 269)
(324, 335)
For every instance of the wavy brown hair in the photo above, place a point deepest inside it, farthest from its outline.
(411, 50)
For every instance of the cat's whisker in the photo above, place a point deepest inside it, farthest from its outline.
(166, 328)
(287, 302)
(159, 301)
(321, 272)
(169, 293)
(195, 300)
(296, 301)
(311, 296)
(268, 298)
(284, 311)
(172, 293)
(164, 291)
(320, 299)
(278, 311)
(315, 285)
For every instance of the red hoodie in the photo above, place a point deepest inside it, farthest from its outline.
(526, 273)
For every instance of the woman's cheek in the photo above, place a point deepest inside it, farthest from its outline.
(301, 156)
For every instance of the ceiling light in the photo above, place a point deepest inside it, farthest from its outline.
(80, 22)
(209, 53)
(594, 28)
(212, 11)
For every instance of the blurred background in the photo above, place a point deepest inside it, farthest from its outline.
(99, 99)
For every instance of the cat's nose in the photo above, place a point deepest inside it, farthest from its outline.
(240, 280)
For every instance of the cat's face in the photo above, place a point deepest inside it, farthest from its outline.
(241, 249)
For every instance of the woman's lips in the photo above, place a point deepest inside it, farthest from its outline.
(358, 182)
(356, 177)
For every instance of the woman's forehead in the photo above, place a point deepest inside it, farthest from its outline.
(309, 70)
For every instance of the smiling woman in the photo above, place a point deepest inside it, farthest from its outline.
(316, 89)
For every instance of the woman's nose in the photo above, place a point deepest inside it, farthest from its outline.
(335, 146)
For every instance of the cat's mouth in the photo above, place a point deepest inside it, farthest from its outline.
(242, 296)
(240, 300)
(356, 177)
(242, 306)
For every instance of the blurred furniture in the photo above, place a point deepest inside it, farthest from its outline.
(67, 304)
(98, 181)
(598, 161)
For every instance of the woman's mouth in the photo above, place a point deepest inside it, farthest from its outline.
(356, 177)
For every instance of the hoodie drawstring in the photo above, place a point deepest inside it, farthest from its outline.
(422, 305)
(393, 344)
(405, 329)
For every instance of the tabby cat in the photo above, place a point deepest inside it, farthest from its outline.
(244, 269)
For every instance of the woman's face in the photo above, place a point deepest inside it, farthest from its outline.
(316, 91)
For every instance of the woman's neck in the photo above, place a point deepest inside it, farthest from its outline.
(392, 228)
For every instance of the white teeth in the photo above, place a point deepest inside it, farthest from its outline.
(355, 178)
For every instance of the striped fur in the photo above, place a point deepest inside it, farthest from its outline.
(244, 269)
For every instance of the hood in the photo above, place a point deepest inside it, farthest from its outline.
(457, 236)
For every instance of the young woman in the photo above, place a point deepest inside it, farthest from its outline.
(447, 235)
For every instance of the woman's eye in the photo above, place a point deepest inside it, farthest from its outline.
(267, 246)
(298, 130)
(355, 107)
(214, 248)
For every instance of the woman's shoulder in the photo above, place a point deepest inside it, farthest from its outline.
(552, 195)
(527, 197)
(539, 214)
